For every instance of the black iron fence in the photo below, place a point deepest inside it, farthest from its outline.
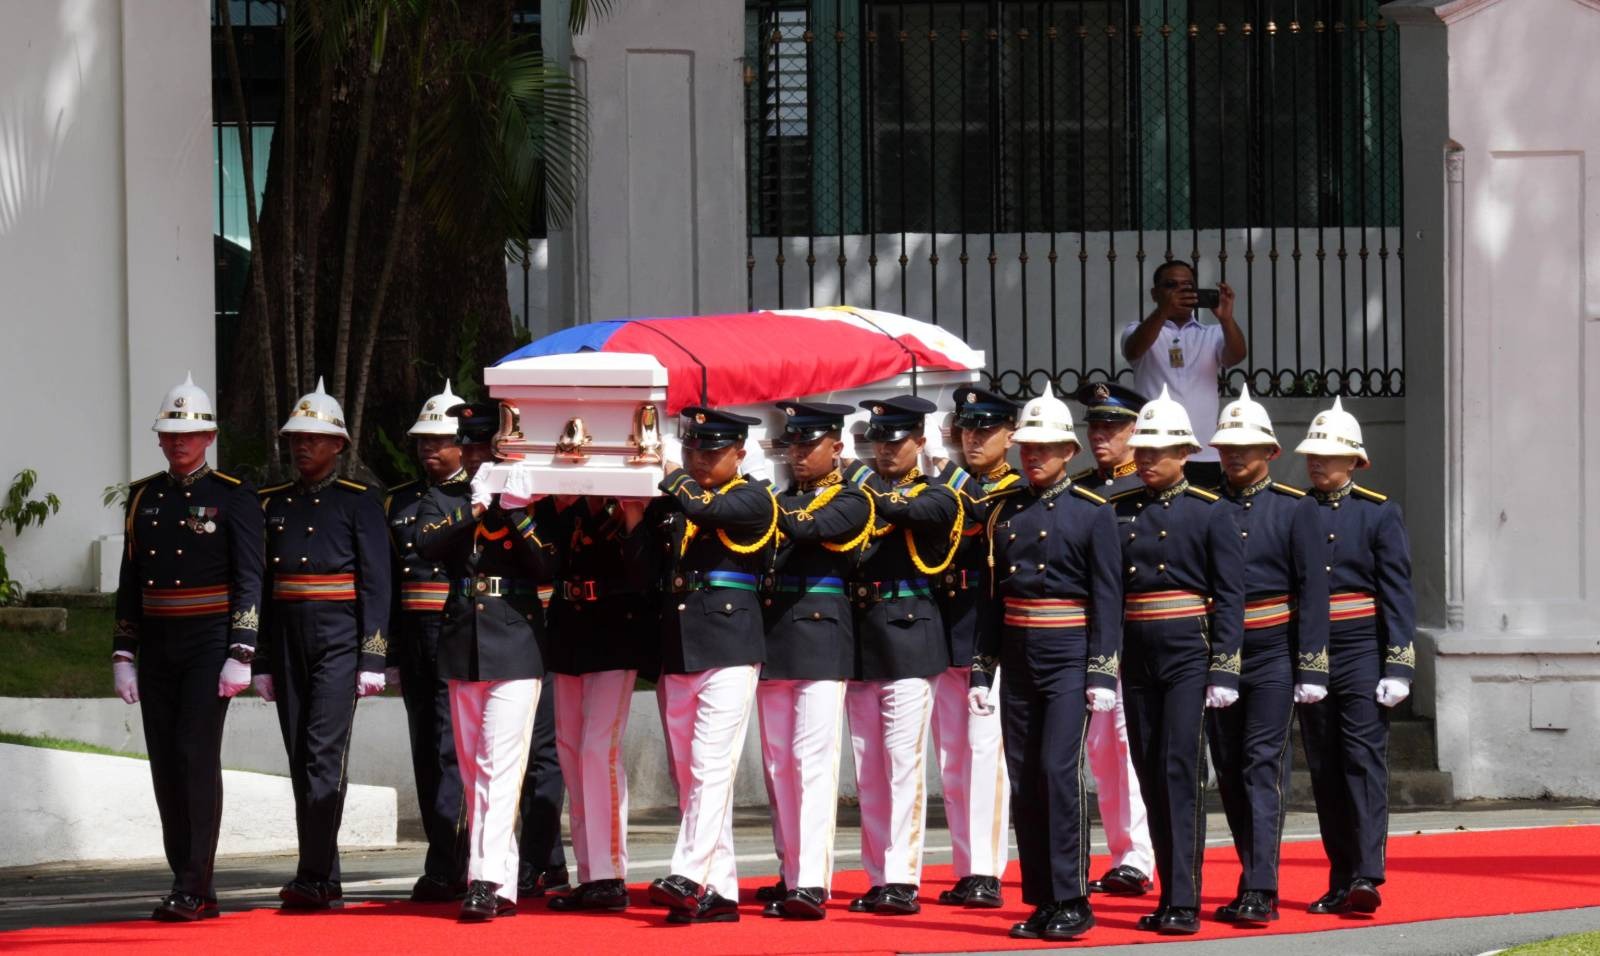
(1013, 171)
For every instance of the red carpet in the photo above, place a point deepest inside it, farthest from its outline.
(1430, 877)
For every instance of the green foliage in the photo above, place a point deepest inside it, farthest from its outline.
(398, 460)
(465, 374)
(116, 494)
(76, 663)
(20, 510)
(61, 743)
(1581, 944)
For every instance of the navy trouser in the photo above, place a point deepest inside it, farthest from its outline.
(433, 746)
(1164, 667)
(1250, 750)
(542, 792)
(1043, 716)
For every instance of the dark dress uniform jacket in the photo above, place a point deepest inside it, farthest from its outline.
(605, 610)
(334, 527)
(202, 531)
(711, 612)
(487, 636)
(1109, 482)
(1367, 551)
(810, 633)
(899, 630)
(963, 589)
(1179, 540)
(421, 585)
(1280, 529)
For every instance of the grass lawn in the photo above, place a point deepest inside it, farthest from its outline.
(76, 663)
(57, 743)
(1583, 944)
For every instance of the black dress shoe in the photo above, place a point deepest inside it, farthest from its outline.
(868, 902)
(1179, 921)
(957, 895)
(1122, 881)
(899, 899)
(608, 895)
(1362, 896)
(712, 908)
(483, 903)
(676, 892)
(1151, 922)
(984, 893)
(805, 902)
(1033, 926)
(1070, 920)
(310, 895)
(432, 889)
(551, 880)
(772, 894)
(773, 910)
(1254, 907)
(1332, 901)
(1229, 911)
(184, 908)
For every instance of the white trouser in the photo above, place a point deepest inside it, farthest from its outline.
(889, 737)
(705, 715)
(1117, 790)
(591, 720)
(800, 722)
(493, 722)
(972, 765)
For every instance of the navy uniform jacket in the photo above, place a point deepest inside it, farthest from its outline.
(963, 589)
(486, 636)
(605, 609)
(810, 632)
(1177, 540)
(899, 630)
(1281, 532)
(202, 531)
(1368, 552)
(1108, 483)
(334, 527)
(711, 610)
(421, 586)
(1059, 542)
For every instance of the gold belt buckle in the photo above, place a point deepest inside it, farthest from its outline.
(489, 586)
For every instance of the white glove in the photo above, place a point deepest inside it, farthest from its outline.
(1393, 690)
(234, 678)
(978, 702)
(391, 677)
(263, 685)
(126, 679)
(1220, 697)
(1309, 693)
(509, 500)
(1102, 700)
(482, 497)
(369, 683)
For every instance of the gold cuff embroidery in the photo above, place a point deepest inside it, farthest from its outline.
(983, 664)
(1227, 663)
(1317, 662)
(248, 620)
(375, 643)
(1403, 654)
(1107, 665)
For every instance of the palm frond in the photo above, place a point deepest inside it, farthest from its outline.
(578, 15)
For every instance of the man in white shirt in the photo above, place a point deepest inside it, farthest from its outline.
(1170, 347)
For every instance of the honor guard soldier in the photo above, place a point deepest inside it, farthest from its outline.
(188, 606)
(1285, 651)
(1110, 411)
(824, 523)
(977, 801)
(421, 589)
(1372, 617)
(901, 648)
(327, 626)
(718, 529)
(1054, 556)
(1183, 623)
(604, 609)
(543, 866)
(490, 547)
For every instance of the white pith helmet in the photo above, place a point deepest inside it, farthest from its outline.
(1163, 423)
(1335, 433)
(316, 413)
(432, 420)
(1244, 422)
(1045, 420)
(187, 408)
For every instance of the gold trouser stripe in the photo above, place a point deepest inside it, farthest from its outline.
(918, 810)
(833, 818)
(1083, 808)
(1002, 792)
(619, 723)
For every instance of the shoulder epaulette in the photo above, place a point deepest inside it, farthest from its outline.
(1202, 494)
(1086, 493)
(352, 485)
(1369, 494)
(136, 483)
(1127, 494)
(958, 478)
(228, 478)
(1287, 489)
(274, 489)
(858, 475)
(402, 486)
(1081, 475)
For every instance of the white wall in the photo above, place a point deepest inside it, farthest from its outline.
(105, 249)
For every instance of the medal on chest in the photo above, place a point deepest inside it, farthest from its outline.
(201, 520)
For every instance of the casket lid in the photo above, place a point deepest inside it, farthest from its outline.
(610, 369)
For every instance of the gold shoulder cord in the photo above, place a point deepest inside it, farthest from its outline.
(127, 523)
(955, 539)
(860, 540)
(690, 529)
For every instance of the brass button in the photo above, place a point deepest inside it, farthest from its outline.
(480, 607)
(1244, 534)
(152, 552)
(1166, 504)
(1041, 567)
(1336, 506)
(316, 501)
(1163, 534)
(175, 581)
(1043, 533)
(727, 607)
(767, 602)
(1013, 536)
(530, 617)
(274, 559)
(1132, 535)
(309, 529)
(1132, 569)
(410, 545)
(682, 606)
(1328, 568)
(1013, 569)
(304, 559)
(188, 495)
(1161, 567)
(911, 617)
(149, 584)
(1247, 505)
(406, 570)
(816, 615)
(288, 501)
(1049, 505)
(1330, 536)
(482, 586)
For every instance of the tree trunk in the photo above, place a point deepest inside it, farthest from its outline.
(352, 226)
(286, 130)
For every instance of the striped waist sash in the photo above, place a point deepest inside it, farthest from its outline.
(1046, 613)
(185, 602)
(423, 596)
(795, 584)
(314, 587)
(1351, 605)
(1164, 606)
(1267, 612)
